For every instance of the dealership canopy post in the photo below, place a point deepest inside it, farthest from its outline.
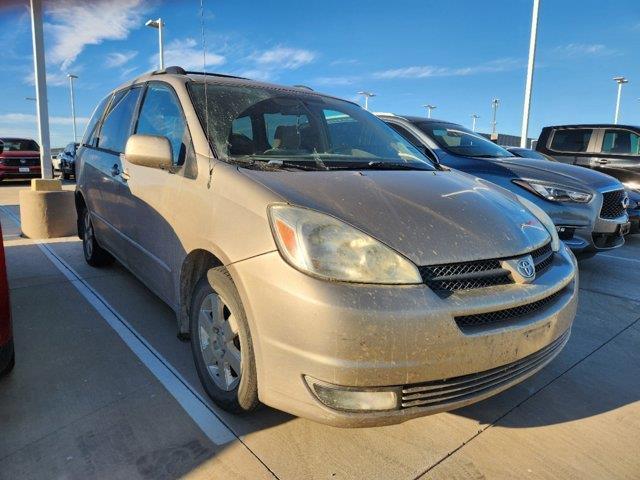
(41, 88)
(620, 81)
(73, 105)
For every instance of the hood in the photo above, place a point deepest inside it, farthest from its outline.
(20, 154)
(561, 173)
(429, 217)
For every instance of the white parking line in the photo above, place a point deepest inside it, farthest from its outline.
(190, 400)
(626, 259)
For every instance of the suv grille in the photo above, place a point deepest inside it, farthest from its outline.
(447, 278)
(612, 204)
(467, 322)
(18, 162)
(460, 389)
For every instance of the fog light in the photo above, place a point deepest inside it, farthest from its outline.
(353, 399)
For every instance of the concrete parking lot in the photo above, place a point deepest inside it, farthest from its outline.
(104, 389)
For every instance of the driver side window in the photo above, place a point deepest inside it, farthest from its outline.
(161, 115)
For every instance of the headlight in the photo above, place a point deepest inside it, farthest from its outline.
(324, 246)
(555, 193)
(544, 219)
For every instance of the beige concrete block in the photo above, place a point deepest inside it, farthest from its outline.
(46, 184)
(47, 214)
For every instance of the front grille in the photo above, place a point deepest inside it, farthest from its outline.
(612, 204)
(448, 278)
(467, 322)
(464, 388)
(21, 162)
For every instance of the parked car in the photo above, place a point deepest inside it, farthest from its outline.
(55, 162)
(19, 158)
(318, 261)
(633, 210)
(7, 354)
(588, 208)
(529, 153)
(68, 161)
(608, 148)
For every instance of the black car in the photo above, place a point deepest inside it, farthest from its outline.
(609, 148)
(68, 161)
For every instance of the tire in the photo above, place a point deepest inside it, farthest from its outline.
(223, 335)
(94, 254)
(12, 361)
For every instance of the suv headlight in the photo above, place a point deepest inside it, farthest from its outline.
(555, 193)
(546, 221)
(324, 246)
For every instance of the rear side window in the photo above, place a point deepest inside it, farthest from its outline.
(89, 133)
(116, 127)
(161, 115)
(575, 140)
(622, 142)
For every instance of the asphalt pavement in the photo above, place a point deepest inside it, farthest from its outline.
(104, 389)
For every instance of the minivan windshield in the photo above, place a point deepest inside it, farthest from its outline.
(251, 123)
(460, 141)
(19, 145)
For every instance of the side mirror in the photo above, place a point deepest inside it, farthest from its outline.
(149, 151)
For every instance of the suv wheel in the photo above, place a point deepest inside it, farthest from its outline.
(221, 343)
(94, 254)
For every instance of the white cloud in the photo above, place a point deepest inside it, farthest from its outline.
(584, 49)
(117, 59)
(335, 81)
(55, 79)
(187, 53)
(74, 24)
(257, 74)
(284, 57)
(426, 71)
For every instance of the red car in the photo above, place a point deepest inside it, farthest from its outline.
(19, 158)
(7, 355)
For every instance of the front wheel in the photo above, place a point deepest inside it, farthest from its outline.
(221, 343)
(94, 254)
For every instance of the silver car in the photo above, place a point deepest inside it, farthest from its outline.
(316, 260)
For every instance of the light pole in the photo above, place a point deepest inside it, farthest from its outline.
(73, 105)
(530, 68)
(474, 117)
(429, 107)
(620, 81)
(494, 105)
(367, 96)
(158, 24)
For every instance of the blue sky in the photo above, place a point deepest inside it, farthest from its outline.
(457, 55)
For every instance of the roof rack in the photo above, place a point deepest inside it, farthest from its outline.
(213, 74)
(304, 87)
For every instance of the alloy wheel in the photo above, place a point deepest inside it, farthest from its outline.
(219, 342)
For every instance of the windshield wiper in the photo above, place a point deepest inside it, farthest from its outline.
(379, 165)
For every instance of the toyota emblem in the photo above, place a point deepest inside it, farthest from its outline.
(526, 268)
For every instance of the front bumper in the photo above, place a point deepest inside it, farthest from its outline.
(378, 336)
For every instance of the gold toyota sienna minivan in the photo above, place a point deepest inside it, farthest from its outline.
(316, 260)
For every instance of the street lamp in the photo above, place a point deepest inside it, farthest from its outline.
(158, 24)
(620, 81)
(73, 105)
(429, 107)
(474, 117)
(366, 96)
(494, 105)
